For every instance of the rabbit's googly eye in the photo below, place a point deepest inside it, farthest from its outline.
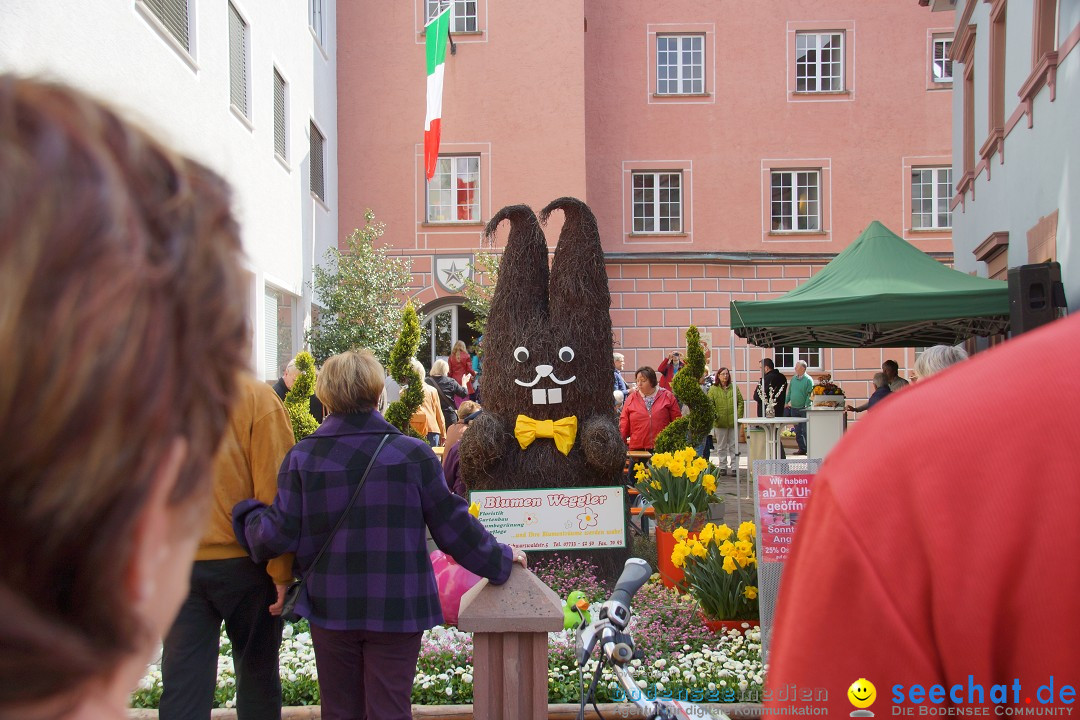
(566, 353)
(521, 354)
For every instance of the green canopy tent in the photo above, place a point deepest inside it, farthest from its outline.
(879, 292)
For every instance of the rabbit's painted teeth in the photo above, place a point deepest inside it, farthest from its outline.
(547, 397)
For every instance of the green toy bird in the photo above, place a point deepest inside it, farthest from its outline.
(571, 619)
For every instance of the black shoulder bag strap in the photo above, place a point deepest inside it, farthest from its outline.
(345, 513)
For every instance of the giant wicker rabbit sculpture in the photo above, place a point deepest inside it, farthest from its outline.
(547, 356)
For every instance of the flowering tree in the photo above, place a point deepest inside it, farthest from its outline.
(360, 290)
(480, 287)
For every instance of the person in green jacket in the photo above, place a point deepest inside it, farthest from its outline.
(721, 394)
(798, 400)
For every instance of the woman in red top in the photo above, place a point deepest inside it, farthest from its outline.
(647, 410)
(460, 366)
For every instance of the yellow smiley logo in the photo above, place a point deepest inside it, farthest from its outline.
(862, 693)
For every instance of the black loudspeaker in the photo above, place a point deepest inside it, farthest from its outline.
(1035, 296)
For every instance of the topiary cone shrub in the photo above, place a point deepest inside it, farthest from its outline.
(691, 429)
(401, 411)
(298, 399)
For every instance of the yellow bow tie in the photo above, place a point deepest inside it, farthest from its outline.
(562, 431)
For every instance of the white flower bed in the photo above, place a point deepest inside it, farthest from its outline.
(720, 668)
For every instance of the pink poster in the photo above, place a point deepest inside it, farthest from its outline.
(782, 499)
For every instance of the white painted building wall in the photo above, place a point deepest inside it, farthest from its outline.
(1041, 171)
(117, 50)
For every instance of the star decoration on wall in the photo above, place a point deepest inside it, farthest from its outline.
(455, 276)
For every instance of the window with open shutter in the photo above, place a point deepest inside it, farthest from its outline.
(238, 62)
(173, 14)
(318, 174)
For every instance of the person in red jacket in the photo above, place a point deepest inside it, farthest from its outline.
(939, 566)
(647, 410)
(668, 367)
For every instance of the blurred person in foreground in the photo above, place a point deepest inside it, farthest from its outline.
(122, 313)
(373, 593)
(945, 565)
(226, 586)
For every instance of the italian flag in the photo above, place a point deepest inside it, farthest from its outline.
(437, 31)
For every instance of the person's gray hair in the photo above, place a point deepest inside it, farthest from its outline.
(801, 362)
(937, 358)
(879, 379)
(440, 368)
(418, 367)
(618, 356)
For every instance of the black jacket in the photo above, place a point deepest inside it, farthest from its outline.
(448, 387)
(773, 379)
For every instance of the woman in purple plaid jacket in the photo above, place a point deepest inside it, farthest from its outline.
(373, 592)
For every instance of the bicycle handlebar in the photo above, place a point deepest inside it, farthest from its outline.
(635, 573)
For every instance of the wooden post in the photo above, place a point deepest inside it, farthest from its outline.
(510, 623)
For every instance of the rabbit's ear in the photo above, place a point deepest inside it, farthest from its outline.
(579, 282)
(522, 290)
(580, 302)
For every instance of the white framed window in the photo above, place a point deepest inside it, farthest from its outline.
(819, 62)
(657, 202)
(174, 17)
(942, 65)
(315, 20)
(317, 160)
(279, 315)
(786, 357)
(238, 62)
(680, 64)
(463, 16)
(931, 191)
(453, 193)
(796, 200)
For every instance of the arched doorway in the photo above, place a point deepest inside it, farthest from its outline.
(447, 321)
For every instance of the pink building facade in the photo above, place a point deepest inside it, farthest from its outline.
(729, 150)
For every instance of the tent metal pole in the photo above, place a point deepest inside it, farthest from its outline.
(735, 411)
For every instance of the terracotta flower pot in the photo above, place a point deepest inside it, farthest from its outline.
(722, 626)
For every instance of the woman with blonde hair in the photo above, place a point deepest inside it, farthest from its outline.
(122, 314)
(461, 365)
(451, 393)
(372, 594)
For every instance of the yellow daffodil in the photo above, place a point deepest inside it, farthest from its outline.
(706, 534)
(729, 565)
(697, 549)
(747, 531)
(655, 485)
(474, 510)
(744, 547)
(680, 534)
(741, 559)
(750, 592)
(727, 549)
(679, 554)
(677, 468)
(709, 483)
(723, 533)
